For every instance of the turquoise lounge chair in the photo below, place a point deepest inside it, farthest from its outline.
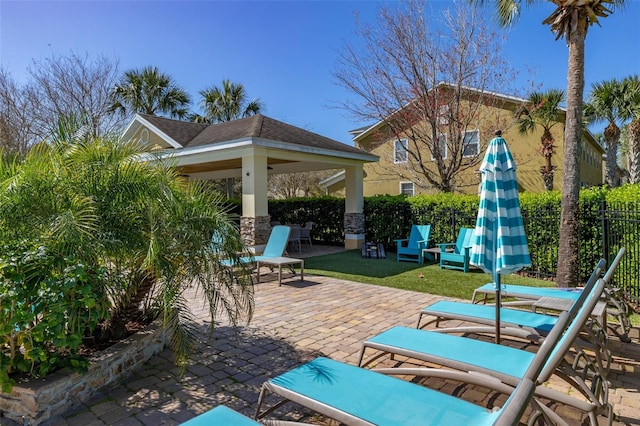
(528, 295)
(220, 416)
(513, 322)
(410, 249)
(276, 246)
(456, 255)
(507, 364)
(356, 396)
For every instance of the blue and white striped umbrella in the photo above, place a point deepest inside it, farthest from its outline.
(500, 244)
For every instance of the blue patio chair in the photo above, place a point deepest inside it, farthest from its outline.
(357, 396)
(410, 249)
(220, 416)
(507, 364)
(275, 247)
(456, 255)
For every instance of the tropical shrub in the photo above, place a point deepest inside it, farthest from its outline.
(48, 306)
(98, 234)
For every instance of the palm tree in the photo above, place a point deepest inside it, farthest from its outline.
(148, 91)
(570, 20)
(630, 110)
(139, 222)
(227, 103)
(542, 110)
(604, 104)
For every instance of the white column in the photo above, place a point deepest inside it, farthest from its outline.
(254, 184)
(354, 207)
(254, 222)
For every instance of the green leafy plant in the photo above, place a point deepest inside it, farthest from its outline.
(97, 234)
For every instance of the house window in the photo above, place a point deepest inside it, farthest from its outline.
(442, 144)
(443, 115)
(407, 188)
(400, 151)
(470, 143)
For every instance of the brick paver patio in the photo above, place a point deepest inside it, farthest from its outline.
(292, 324)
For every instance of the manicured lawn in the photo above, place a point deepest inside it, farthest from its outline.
(427, 278)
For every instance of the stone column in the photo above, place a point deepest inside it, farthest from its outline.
(354, 207)
(255, 230)
(254, 223)
(353, 230)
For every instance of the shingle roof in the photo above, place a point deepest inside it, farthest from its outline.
(259, 126)
(180, 131)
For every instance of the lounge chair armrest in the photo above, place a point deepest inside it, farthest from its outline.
(401, 240)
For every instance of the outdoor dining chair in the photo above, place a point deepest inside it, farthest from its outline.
(295, 237)
(305, 233)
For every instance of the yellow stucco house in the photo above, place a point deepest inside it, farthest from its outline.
(396, 172)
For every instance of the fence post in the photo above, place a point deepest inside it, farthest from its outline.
(605, 230)
(453, 225)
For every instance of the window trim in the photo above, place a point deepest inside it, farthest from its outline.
(476, 131)
(413, 188)
(405, 142)
(446, 148)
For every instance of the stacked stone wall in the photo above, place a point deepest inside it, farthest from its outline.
(33, 401)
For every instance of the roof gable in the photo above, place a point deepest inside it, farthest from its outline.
(180, 131)
(258, 126)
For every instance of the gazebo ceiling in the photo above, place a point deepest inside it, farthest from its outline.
(216, 151)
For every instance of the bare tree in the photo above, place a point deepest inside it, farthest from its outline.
(301, 184)
(16, 120)
(74, 86)
(428, 79)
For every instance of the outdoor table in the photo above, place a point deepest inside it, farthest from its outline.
(373, 251)
(430, 253)
(279, 262)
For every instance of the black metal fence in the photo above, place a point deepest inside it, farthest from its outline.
(604, 228)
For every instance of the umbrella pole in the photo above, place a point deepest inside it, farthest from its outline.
(498, 285)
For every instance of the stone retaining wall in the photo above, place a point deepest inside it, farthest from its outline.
(35, 402)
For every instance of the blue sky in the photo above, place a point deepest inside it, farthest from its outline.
(283, 52)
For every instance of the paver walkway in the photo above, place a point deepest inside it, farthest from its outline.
(292, 324)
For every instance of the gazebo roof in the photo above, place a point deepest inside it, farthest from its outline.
(217, 149)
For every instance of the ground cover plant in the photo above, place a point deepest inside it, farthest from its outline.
(98, 237)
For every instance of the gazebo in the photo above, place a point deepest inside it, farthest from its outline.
(253, 148)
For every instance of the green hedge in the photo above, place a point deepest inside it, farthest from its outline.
(609, 219)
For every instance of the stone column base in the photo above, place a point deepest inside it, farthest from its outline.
(255, 230)
(353, 230)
